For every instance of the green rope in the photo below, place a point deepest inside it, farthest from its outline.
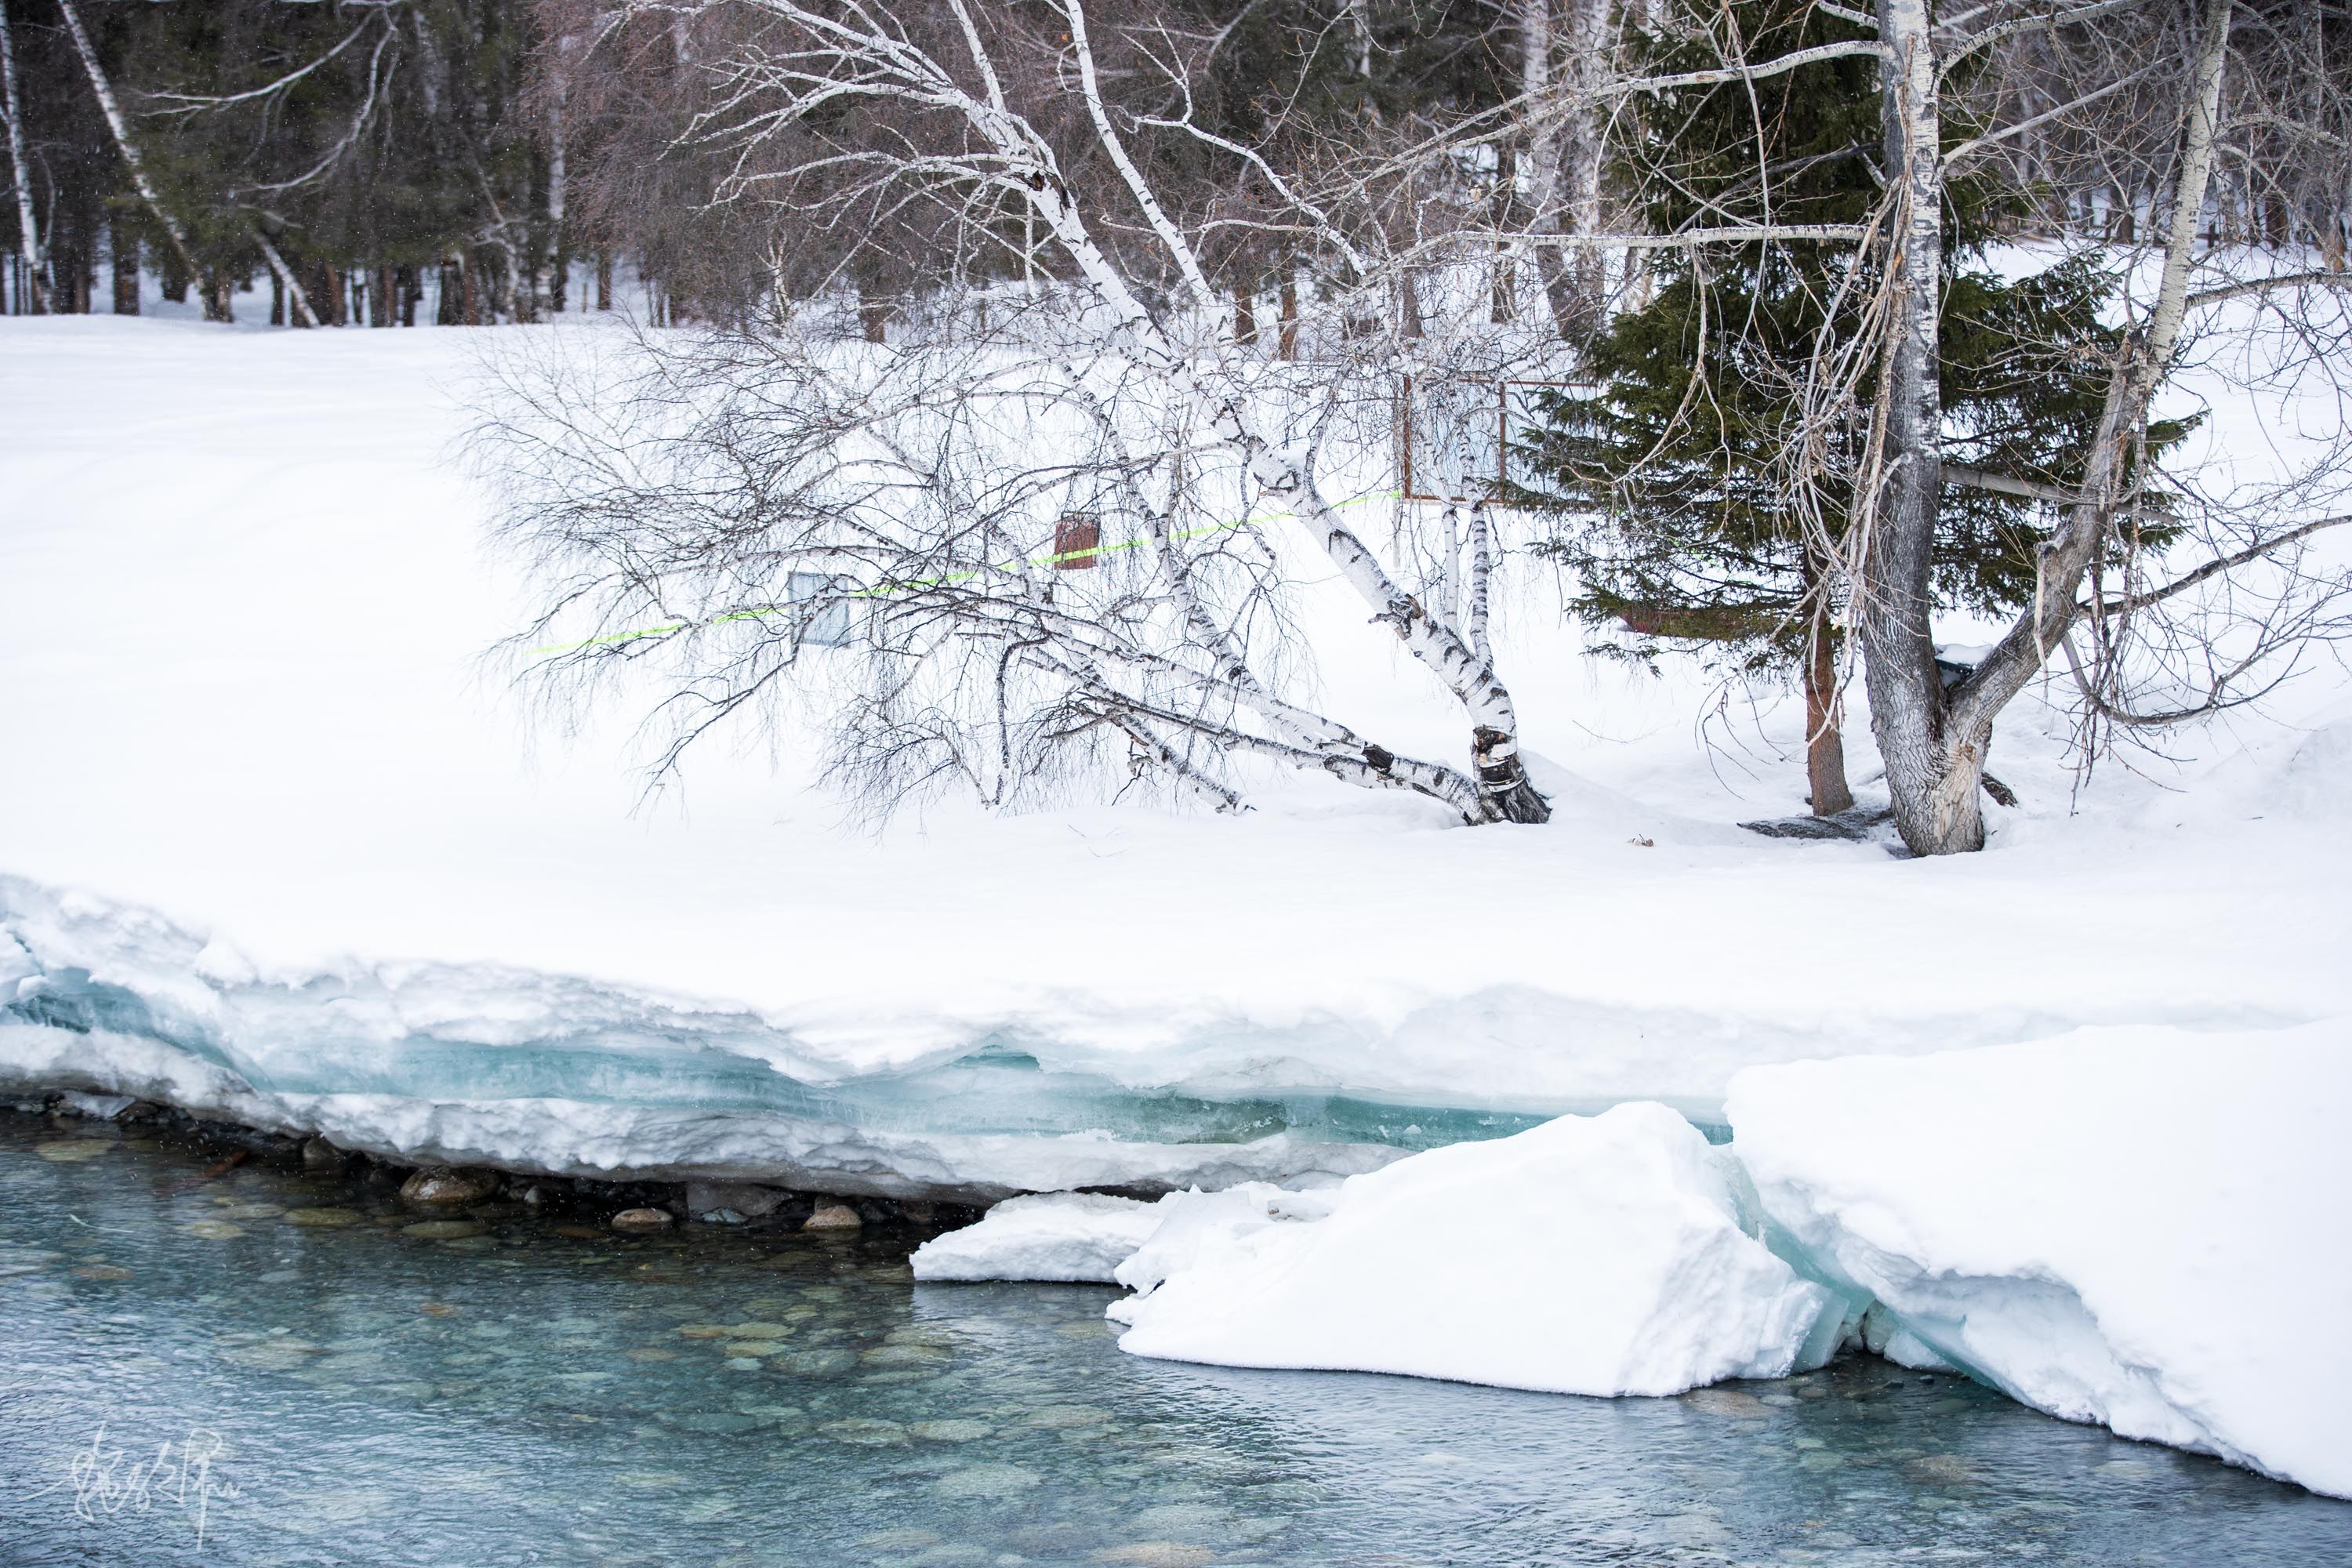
(1054, 560)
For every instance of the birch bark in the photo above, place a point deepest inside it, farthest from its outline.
(1897, 589)
(29, 227)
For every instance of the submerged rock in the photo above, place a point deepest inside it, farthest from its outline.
(746, 1200)
(439, 1188)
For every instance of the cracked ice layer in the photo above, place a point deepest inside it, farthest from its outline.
(2141, 1227)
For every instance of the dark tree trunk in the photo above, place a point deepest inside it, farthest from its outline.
(126, 270)
(1245, 316)
(220, 297)
(873, 314)
(604, 282)
(1286, 344)
(1824, 744)
(276, 300)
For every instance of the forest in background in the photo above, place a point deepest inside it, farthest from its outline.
(494, 159)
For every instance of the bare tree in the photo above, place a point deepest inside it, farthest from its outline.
(1935, 741)
(857, 109)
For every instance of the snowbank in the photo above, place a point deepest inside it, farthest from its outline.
(1069, 1236)
(2142, 1227)
(1591, 1255)
(246, 613)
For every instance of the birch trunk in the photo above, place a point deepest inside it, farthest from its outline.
(1504, 793)
(1582, 158)
(121, 130)
(286, 282)
(1897, 603)
(1536, 43)
(29, 227)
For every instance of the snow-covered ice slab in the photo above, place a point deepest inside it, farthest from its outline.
(1603, 1255)
(1067, 1236)
(636, 1142)
(2142, 1227)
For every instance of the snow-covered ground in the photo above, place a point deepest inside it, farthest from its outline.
(246, 609)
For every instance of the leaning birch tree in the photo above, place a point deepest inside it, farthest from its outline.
(855, 109)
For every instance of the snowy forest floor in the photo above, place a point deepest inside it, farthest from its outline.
(246, 611)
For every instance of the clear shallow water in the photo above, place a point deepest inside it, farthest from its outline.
(359, 1395)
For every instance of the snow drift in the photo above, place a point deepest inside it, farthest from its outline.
(1599, 1255)
(2142, 1227)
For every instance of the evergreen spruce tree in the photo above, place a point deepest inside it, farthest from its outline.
(1682, 517)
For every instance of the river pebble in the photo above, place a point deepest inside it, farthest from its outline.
(74, 1150)
(986, 1482)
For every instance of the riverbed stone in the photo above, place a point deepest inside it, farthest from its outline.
(323, 1218)
(1730, 1401)
(441, 1186)
(1066, 1417)
(74, 1150)
(642, 1220)
(749, 1201)
(986, 1482)
(866, 1432)
(212, 1229)
(441, 1229)
(834, 1217)
(905, 1538)
(951, 1430)
(1157, 1555)
(322, 1158)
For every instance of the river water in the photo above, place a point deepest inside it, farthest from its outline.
(267, 1368)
